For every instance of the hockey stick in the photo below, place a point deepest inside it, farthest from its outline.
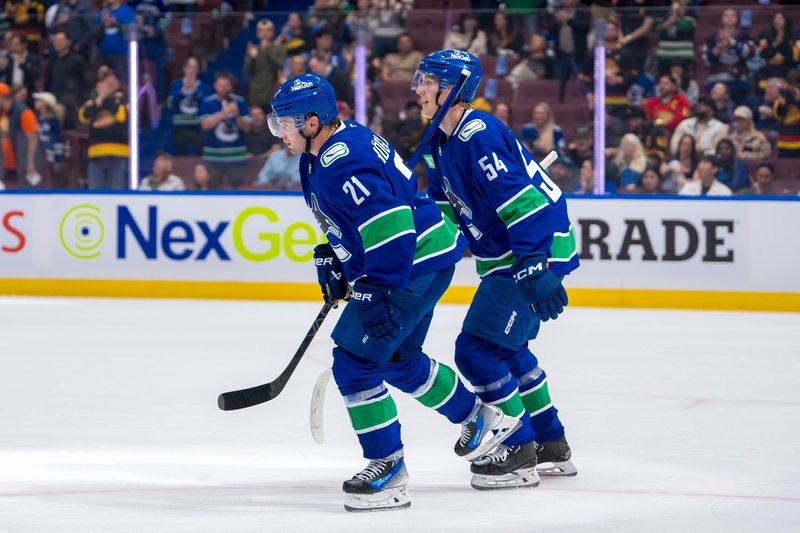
(437, 119)
(239, 399)
(318, 394)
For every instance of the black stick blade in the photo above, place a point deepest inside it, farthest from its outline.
(239, 399)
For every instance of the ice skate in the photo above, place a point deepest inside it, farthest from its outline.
(554, 459)
(507, 467)
(381, 486)
(484, 430)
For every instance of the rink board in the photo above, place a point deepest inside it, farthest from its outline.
(635, 251)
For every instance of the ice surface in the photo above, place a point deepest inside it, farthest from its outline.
(679, 421)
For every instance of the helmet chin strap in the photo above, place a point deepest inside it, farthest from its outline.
(312, 137)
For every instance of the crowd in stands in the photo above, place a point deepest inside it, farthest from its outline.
(700, 99)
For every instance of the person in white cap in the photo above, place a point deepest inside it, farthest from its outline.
(751, 144)
(49, 116)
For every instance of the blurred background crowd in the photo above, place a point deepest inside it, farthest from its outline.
(702, 98)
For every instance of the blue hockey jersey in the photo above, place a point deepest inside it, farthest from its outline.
(365, 200)
(505, 203)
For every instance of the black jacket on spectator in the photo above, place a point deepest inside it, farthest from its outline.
(580, 24)
(31, 68)
(66, 79)
(81, 25)
(342, 87)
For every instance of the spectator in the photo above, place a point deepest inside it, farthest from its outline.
(786, 110)
(706, 183)
(586, 180)
(20, 94)
(281, 170)
(150, 16)
(669, 108)
(66, 77)
(259, 140)
(539, 64)
(48, 127)
(402, 65)
(329, 15)
(676, 36)
(627, 166)
(502, 111)
(620, 69)
(653, 136)
(294, 36)
(294, 66)
(706, 130)
(18, 133)
(363, 21)
(766, 120)
(77, 19)
(615, 129)
(20, 67)
(26, 18)
(776, 47)
(323, 46)
(682, 166)
(686, 85)
(345, 111)
(542, 135)
(466, 35)
(649, 182)
(581, 148)
(751, 144)
(570, 25)
(184, 99)
(391, 16)
(762, 182)
(263, 63)
(505, 38)
(225, 119)
(162, 178)
(342, 88)
(107, 117)
(723, 107)
(409, 129)
(636, 19)
(115, 19)
(375, 112)
(732, 171)
(204, 179)
(726, 53)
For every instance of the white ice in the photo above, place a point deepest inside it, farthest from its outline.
(679, 421)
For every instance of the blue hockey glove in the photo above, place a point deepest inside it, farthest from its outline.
(539, 286)
(375, 309)
(330, 274)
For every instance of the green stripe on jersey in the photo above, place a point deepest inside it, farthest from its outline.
(386, 226)
(436, 240)
(536, 398)
(372, 415)
(439, 388)
(564, 247)
(511, 405)
(488, 265)
(521, 206)
(447, 210)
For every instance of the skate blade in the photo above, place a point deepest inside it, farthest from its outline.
(522, 478)
(557, 469)
(392, 499)
(500, 432)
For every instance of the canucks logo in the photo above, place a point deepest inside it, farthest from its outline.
(325, 223)
(462, 208)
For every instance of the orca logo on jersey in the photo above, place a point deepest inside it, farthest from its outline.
(325, 223)
(457, 202)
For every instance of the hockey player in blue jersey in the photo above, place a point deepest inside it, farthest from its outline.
(516, 222)
(398, 252)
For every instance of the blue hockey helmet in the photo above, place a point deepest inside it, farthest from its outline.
(299, 96)
(446, 66)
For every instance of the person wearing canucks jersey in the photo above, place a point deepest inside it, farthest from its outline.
(515, 219)
(398, 252)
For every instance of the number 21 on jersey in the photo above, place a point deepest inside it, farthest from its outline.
(351, 185)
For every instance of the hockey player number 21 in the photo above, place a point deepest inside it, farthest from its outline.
(350, 187)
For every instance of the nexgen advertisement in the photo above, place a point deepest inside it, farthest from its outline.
(739, 248)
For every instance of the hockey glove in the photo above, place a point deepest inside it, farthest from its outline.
(330, 274)
(539, 286)
(375, 309)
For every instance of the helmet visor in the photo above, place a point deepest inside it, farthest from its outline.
(280, 126)
(423, 79)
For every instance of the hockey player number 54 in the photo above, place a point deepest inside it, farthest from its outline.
(548, 185)
(492, 169)
(350, 187)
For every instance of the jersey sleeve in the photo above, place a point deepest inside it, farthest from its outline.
(379, 222)
(516, 187)
(436, 190)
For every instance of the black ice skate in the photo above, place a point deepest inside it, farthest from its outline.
(381, 486)
(554, 458)
(485, 429)
(507, 467)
